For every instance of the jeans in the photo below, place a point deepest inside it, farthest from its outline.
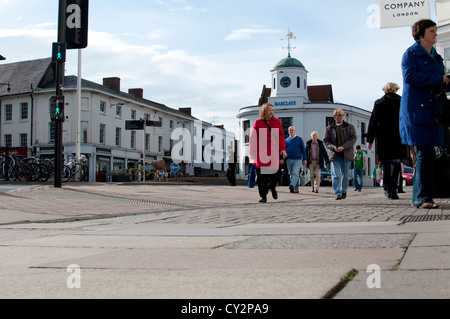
(358, 178)
(294, 166)
(424, 177)
(339, 175)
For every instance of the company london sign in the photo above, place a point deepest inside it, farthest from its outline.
(401, 13)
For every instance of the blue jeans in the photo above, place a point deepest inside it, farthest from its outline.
(358, 178)
(424, 177)
(294, 166)
(339, 175)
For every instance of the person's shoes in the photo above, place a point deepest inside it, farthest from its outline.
(317, 190)
(394, 196)
(344, 195)
(274, 193)
(429, 205)
(338, 197)
(313, 190)
(291, 188)
(296, 191)
(263, 200)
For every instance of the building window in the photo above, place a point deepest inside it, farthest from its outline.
(102, 107)
(447, 60)
(23, 140)
(298, 82)
(133, 140)
(133, 114)
(363, 133)
(8, 112)
(24, 111)
(84, 132)
(274, 84)
(160, 144)
(8, 140)
(147, 142)
(171, 124)
(102, 132)
(247, 132)
(118, 136)
(118, 111)
(286, 122)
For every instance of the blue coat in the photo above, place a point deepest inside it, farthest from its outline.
(422, 83)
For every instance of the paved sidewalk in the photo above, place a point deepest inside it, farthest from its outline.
(185, 241)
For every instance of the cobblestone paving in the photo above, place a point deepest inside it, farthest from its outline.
(208, 205)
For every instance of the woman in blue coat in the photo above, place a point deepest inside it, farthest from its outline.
(423, 76)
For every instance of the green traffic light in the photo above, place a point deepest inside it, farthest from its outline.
(58, 111)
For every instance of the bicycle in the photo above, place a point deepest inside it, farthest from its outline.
(152, 171)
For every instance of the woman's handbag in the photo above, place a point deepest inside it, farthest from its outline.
(251, 175)
(444, 109)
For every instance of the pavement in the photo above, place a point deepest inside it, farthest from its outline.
(174, 241)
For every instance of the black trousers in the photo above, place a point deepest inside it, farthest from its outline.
(266, 182)
(391, 172)
(231, 174)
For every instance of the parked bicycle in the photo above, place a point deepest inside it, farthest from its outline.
(156, 170)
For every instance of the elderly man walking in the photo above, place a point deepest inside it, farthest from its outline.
(340, 137)
(296, 153)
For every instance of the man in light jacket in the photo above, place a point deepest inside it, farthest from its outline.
(340, 137)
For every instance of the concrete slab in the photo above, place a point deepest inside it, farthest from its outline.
(431, 239)
(155, 242)
(427, 258)
(181, 259)
(172, 284)
(430, 284)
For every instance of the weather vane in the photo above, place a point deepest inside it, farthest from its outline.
(290, 36)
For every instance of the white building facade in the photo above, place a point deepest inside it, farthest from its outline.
(105, 109)
(308, 108)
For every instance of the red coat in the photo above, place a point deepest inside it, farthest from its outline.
(266, 144)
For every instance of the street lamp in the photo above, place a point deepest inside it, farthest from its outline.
(9, 86)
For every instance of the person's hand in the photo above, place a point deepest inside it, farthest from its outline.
(446, 80)
(369, 146)
(283, 154)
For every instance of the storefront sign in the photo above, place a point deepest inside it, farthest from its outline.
(401, 13)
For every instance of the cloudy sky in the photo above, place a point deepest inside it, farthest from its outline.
(216, 55)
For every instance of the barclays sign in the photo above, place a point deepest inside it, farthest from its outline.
(291, 103)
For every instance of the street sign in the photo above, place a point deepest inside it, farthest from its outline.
(174, 167)
(153, 123)
(134, 125)
(76, 28)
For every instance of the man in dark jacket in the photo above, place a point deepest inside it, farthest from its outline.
(340, 137)
(316, 156)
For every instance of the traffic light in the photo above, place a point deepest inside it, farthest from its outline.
(76, 30)
(59, 52)
(57, 108)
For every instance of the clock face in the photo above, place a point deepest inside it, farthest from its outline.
(285, 82)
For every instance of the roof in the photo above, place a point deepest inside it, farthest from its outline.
(289, 62)
(70, 83)
(321, 93)
(26, 76)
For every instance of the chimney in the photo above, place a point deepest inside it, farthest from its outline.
(113, 83)
(186, 110)
(137, 92)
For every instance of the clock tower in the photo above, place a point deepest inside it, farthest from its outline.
(290, 80)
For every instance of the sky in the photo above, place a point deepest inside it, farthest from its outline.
(215, 55)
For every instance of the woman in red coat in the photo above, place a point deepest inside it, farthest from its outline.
(267, 144)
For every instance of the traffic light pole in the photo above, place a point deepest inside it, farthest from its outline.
(59, 92)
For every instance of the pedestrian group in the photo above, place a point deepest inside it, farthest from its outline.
(404, 128)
